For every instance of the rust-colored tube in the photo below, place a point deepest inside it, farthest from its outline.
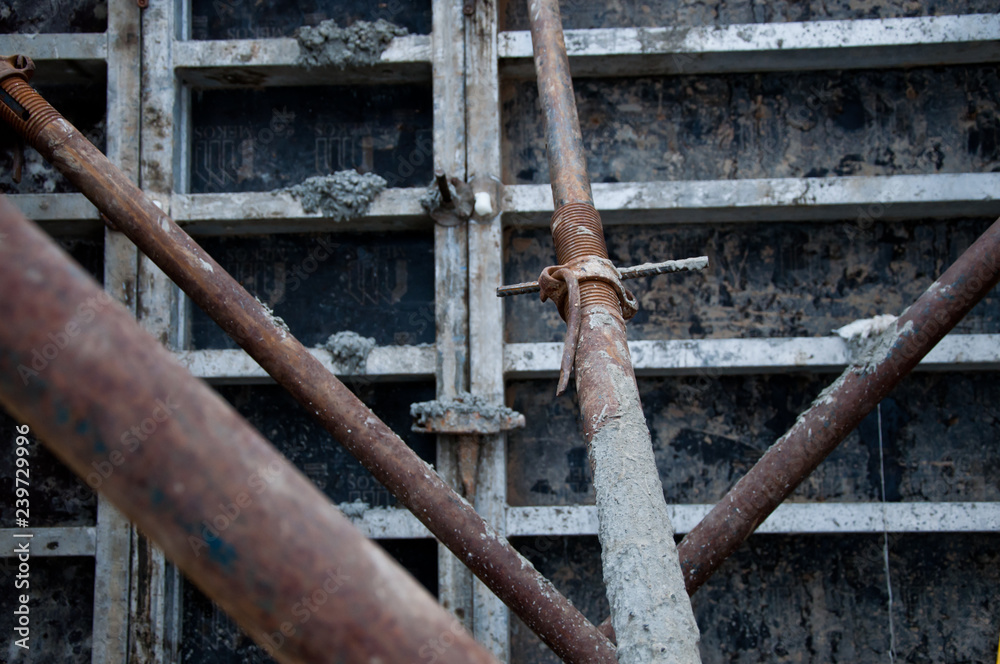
(839, 410)
(417, 486)
(247, 527)
(642, 573)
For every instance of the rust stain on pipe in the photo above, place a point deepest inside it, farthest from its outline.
(414, 483)
(838, 411)
(239, 520)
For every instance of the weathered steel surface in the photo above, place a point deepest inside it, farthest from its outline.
(789, 599)
(840, 408)
(771, 125)
(767, 279)
(584, 14)
(229, 511)
(708, 430)
(380, 450)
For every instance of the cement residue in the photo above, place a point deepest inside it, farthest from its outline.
(341, 196)
(463, 403)
(355, 510)
(361, 44)
(650, 608)
(277, 320)
(871, 340)
(350, 350)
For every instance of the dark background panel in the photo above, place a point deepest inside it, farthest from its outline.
(60, 610)
(938, 438)
(812, 600)
(295, 434)
(263, 19)
(764, 279)
(380, 286)
(84, 104)
(211, 637)
(53, 16)
(771, 125)
(258, 140)
(57, 497)
(582, 14)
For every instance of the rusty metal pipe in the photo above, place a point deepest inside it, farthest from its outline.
(417, 486)
(645, 588)
(838, 410)
(247, 527)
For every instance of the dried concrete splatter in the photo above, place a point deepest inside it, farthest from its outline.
(350, 350)
(360, 44)
(464, 402)
(277, 320)
(341, 196)
(650, 608)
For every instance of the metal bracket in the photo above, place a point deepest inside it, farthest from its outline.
(450, 203)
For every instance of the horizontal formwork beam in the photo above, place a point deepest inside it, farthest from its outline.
(271, 62)
(383, 363)
(813, 45)
(53, 541)
(680, 357)
(865, 199)
(44, 47)
(278, 212)
(789, 518)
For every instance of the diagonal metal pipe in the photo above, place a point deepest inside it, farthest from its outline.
(414, 483)
(651, 612)
(246, 526)
(838, 410)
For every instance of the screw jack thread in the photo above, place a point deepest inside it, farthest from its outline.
(577, 232)
(39, 112)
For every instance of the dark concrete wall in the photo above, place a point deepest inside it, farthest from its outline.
(380, 286)
(814, 600)
(801, 124)
(939, 436)
(234, 19)
(763, 279)
(61, 609)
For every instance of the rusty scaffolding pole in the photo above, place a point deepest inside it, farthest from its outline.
(414, 483)
(839, 409)
(244, 524)
(651, 612)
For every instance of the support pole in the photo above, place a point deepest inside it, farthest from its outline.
(247, 527)
(651, 612)
(839, 409)
(414, 483)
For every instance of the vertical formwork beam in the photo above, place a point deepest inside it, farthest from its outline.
(156, 584)
(114, 532)
(450, 274)
(492, 620)
(650, 610)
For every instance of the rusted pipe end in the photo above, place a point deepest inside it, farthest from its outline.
(20, 105)
(578, 233)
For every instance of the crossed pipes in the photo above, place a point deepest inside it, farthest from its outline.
(284, 547)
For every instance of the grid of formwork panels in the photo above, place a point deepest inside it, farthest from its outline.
(774, 138)
(470, 64)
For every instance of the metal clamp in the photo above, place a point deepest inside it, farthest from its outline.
(451, 202)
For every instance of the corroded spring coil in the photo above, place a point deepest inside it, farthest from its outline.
(38, 113)
(577, 232)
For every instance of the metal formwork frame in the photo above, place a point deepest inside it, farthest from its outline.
(170, 62)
